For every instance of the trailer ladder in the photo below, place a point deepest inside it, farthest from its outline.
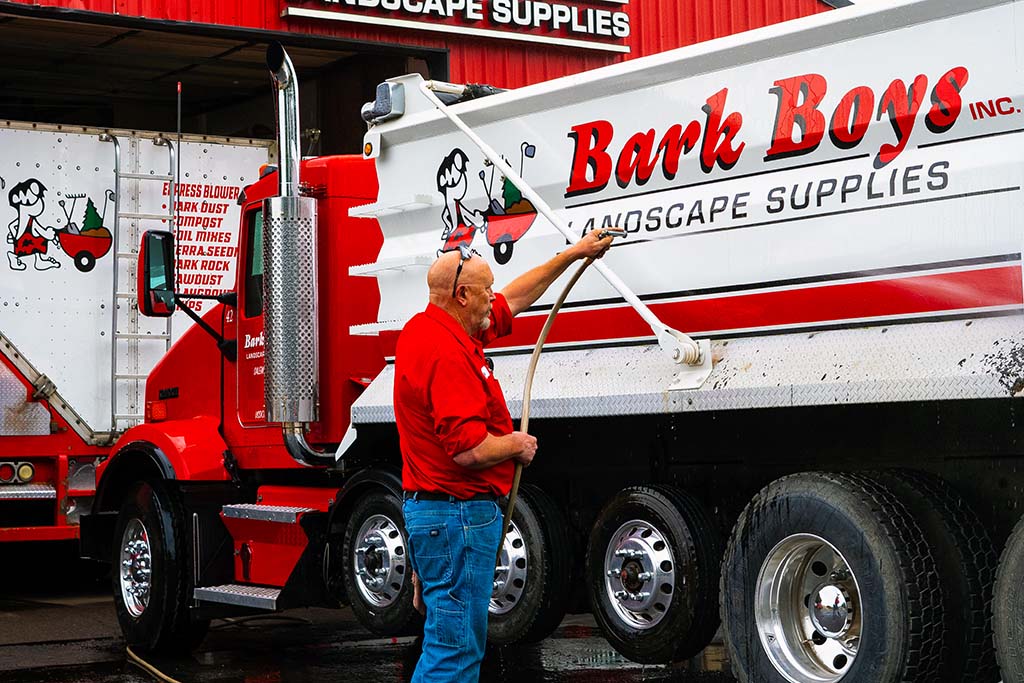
(128, 372)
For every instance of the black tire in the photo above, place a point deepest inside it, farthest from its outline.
(163, 623)
(966, 560)
(503, 252)
(532, 607)
(897, 599)
(84, 261)
(681, 617)
(376, 522)
(1009, 609)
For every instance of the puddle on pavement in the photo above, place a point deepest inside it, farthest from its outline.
(284, 653)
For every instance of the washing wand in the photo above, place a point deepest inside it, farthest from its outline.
(524, 422)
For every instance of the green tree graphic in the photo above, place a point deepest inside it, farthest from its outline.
(92, 218)
(510, 193)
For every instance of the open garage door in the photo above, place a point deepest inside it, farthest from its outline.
(101, 70)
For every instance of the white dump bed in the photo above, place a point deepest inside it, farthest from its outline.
(844, 199)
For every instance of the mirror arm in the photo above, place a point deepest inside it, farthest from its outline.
(227, 347)
(227, 298)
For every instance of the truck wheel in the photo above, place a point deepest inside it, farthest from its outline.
(966, 560)
(652, 572)
(533, 579)
(1009, 609)
(503, 252)
(376, 571)
(827, 577)
(150, 572)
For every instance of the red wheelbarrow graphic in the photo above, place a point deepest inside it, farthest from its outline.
(503, 230)
(85, 247)
(508, 219)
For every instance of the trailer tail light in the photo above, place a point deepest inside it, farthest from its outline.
(26, 472)
(17, 472)
(156, 411)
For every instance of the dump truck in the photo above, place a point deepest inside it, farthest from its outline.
(74, 352)
(783, 405)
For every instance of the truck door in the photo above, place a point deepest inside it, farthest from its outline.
(251, 407)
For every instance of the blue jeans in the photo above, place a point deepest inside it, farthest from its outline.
(453, 547)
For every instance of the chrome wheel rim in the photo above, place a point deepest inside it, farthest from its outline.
(808, 610)
(510, 573)
(379, 561)
(639, 574)
(136, 568)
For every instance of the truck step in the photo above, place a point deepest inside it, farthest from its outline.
(268, 513)
(258, 597)
(27, 491)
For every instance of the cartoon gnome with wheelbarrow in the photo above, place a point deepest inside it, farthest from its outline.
(504, 221)
(27, 236)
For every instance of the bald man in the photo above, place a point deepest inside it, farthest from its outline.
(459, 446)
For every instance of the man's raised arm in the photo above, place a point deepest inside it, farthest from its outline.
(522, 292)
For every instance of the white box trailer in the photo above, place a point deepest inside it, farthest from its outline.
(835, 203)
(75, 352)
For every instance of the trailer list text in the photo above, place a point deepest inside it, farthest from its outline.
(206, 238)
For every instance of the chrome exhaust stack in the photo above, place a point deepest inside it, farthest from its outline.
(291, 330)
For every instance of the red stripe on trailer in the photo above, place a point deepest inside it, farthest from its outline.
(923, 294)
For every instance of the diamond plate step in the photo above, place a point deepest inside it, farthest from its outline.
(268, 513)
(258, 597)
(27, 491)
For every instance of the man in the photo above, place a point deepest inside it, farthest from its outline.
(459, 447)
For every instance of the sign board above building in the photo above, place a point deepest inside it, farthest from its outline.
(586, 24)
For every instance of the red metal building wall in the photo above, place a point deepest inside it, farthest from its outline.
(656, 26)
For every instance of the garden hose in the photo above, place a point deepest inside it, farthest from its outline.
(149, 668)
(524, 422)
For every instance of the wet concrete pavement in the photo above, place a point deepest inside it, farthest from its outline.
(57, 631)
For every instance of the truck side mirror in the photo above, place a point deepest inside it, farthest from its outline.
(155, 285)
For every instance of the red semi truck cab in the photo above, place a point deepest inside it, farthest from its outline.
(244, 505)
(196, 381)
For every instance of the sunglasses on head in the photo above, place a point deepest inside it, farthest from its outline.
(465, 253)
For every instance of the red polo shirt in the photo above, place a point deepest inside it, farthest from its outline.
(446, 402)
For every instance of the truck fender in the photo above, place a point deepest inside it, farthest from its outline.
(358, 484)
(182, 450)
